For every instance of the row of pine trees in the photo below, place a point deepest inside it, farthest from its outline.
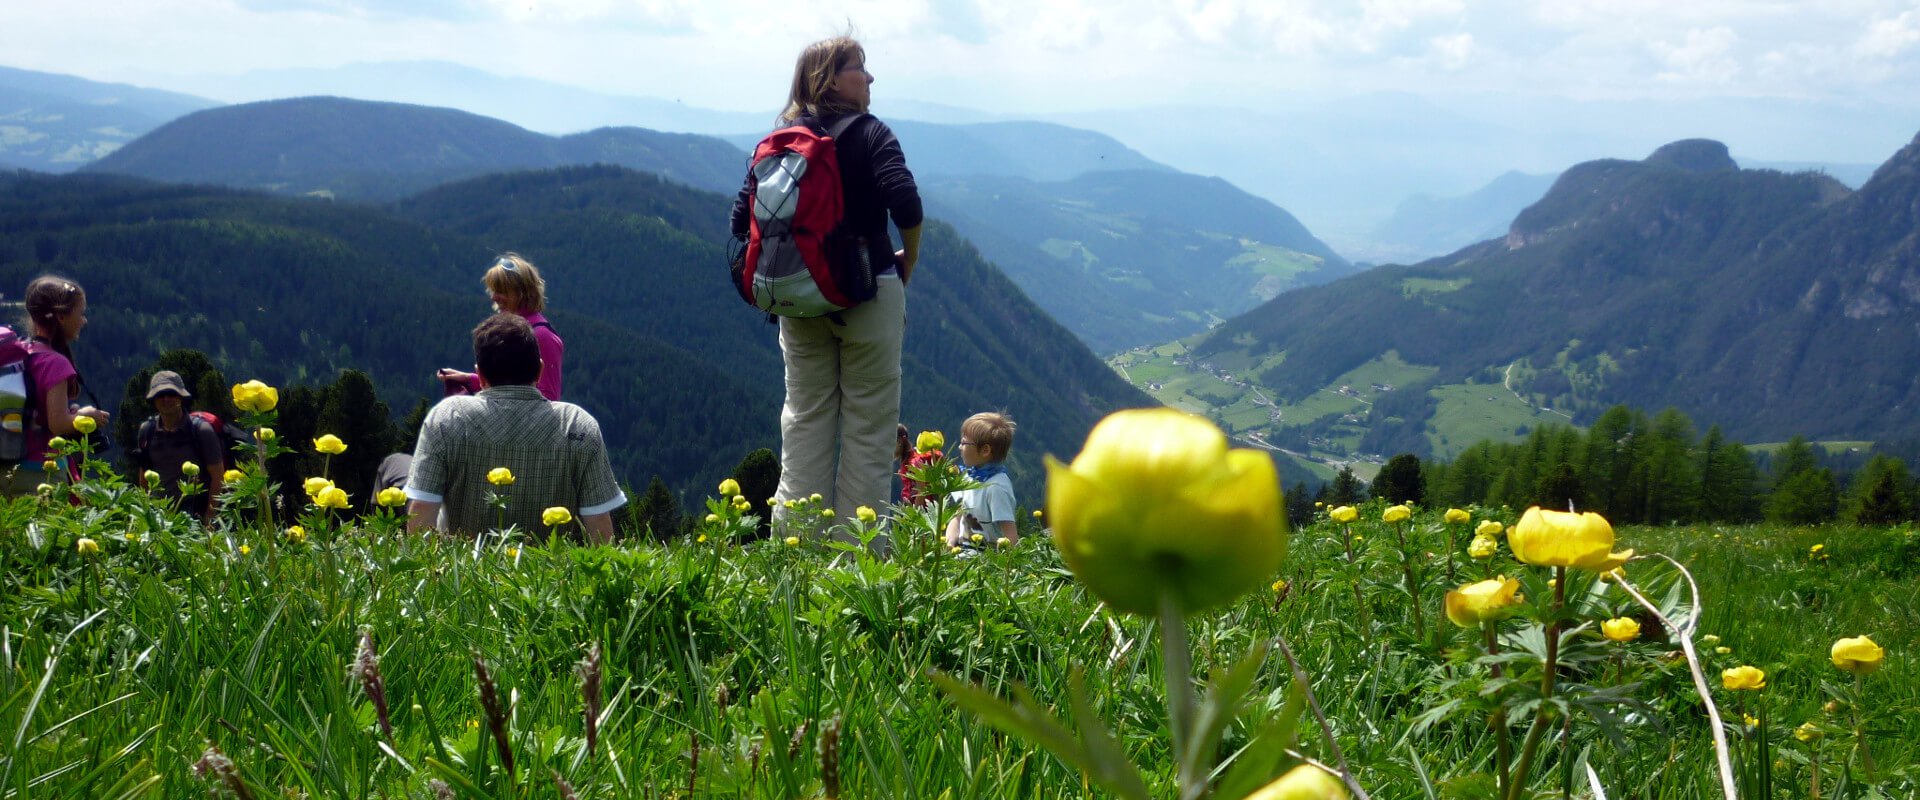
(1636, 469)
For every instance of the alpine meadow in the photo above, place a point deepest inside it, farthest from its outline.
(1338, 402)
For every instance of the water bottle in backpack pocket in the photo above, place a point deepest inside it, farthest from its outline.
(16, 397)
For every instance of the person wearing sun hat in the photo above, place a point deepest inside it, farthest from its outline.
(173, 438)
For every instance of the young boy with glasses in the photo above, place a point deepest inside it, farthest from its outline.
(987, 511)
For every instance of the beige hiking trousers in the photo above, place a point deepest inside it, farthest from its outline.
(843, 403)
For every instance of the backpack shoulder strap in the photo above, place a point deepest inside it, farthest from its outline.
(143, 440)
(840, 126)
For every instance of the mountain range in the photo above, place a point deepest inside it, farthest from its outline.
(1123, 250)
(57, 123)
(1769, 303)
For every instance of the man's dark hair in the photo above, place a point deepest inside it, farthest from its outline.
(505, 351)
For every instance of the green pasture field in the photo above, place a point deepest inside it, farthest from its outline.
(756, 668)
(1470, 413)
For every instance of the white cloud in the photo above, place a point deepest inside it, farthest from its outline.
(1886, 38)
(1705, 56)
(1452, 52)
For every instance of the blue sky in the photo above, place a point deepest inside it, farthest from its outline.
(1029, 55)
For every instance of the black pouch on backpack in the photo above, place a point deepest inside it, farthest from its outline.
(853, 266)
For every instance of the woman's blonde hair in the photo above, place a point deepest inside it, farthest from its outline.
(813, 76)
(519, 279)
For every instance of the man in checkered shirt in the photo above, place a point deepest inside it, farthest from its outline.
(553, 449)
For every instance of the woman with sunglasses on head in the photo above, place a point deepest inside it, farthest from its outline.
(516, 287)
(843, 371)
(56, 311)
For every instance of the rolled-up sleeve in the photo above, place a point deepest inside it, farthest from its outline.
(427, 478)
(599, 489)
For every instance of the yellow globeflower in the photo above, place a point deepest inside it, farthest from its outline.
(793, 541)
(296, 534)
(815, 497)
(1304, 782)
(1487, 601)
(711, 518)
(87, 547)
(1483, 547)
(1344, 514)
(1744, 679)
(826, 513)
(1857, 656)
(557, 515)
(1398, 513)
(1037, 514)
(50, 465)
(86, 424)
(729, 488)
(1456, 516)
(1489, 527)
(500, 476)
(314, 485)
(331, 497)
(930, 442)
(233, 476)
(1621, 629)
(1808, 732)
(189, 469)
(866, 514)
(153, 479)
(265, 435)
(1156, 503)
(330, 445)
(58, 442)
(391, 497)
(1564, 539)
(255, 396)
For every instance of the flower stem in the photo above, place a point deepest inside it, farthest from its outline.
(1859, 724)
(1413, 588)
(1548, 669)
(1502, 739)
(1177, 663)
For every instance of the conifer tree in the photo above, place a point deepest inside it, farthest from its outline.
(1727, 489)
(1559, 489)
(1399, 481)
(1299, 505)
(659, 514)
(759, 477)
(352, 411)
(1882, 493)
(1345, 489)
(1807, 497)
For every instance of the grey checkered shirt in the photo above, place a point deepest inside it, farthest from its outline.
(553, 448)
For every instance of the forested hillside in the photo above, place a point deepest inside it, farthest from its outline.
(1764, 302)
(684, 378)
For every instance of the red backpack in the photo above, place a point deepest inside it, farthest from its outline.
(798, 261)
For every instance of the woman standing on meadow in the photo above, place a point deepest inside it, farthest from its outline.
(516, 287)
(56, 311)
(843, 375)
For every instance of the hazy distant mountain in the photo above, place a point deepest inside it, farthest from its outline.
(1127, 258)
(530, 103)
(56, 123)
(1768, 303)
(378, 151)
(1039, 151)
(1423, 226)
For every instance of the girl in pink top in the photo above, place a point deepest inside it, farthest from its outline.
(56, 311)
(516, 287)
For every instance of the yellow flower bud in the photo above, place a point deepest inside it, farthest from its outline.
(87, 547)
(296, 534)
(1486, 601)
(1710, 639)
(793, 541)
(1344, 514)
(153, 479)
(331, 497)
(815, 497)
(1004, 542)
(1455, 516)
(1156, 503)
(330, 445)
(1744, 679)
(1489, 527)
(315, 484)
(1723, 650)
(265, 435)
(511, 552)
(58, 442)
(500, 476)
(1564, 539)
(1621, 629)
(826, 513)
(701, 540)
(1808, 732)
(557, 515)
(930, 442)
(1304, 782)
(189, 469)
(233, 476)
(245, 549)
(866, 514)
(391, 497)
(978, 538)
(729, 488)
(1857, 656)
(50, 465)
(86, 424)
(1037, 514)
(255, 396)
(1483, 547)
(1398, 513)
(712, 518)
